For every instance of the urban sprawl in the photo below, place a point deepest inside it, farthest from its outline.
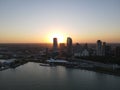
(100, 57)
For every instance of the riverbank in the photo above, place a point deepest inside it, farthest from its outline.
(99, 70)
(111, 69)
(11, 63)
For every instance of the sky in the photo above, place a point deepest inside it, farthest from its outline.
(38, 21)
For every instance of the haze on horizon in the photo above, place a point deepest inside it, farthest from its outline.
(35, 21)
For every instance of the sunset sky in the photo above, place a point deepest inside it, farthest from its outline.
(38, 21)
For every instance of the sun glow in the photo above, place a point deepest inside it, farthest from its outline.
(60, 37)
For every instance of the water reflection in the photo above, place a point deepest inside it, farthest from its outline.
(32, 76)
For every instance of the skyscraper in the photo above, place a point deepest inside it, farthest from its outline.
(55, 45)
(104, 49)
(69, 46)
(99, 48)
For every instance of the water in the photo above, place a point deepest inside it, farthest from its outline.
(32, 76)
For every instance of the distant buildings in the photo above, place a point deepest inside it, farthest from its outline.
(62, 49)
(85, 51)
(69, 46)
(81, 51)
(104, 49)
(77, 48)
(55, 45)
(99, 48)
(62, 46)
(117, 51)
(108, 50)
(69, 49)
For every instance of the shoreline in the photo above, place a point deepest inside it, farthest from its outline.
(99, 71)
(77, 65)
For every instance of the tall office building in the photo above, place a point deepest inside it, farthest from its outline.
(104, 49)
(55, 45)
(69, 46)
(99, 48)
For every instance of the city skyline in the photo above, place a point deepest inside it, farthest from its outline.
(39, 21)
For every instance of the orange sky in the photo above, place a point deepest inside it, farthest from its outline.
(39, 21)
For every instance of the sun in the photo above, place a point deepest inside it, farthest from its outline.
(59, 36)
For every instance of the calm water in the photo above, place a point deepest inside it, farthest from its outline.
(32, 76)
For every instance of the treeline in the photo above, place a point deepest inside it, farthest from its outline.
(102, 59)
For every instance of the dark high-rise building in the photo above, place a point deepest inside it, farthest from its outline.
(69, 46)
(99, 48)
(55, 45)
(104, 49)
